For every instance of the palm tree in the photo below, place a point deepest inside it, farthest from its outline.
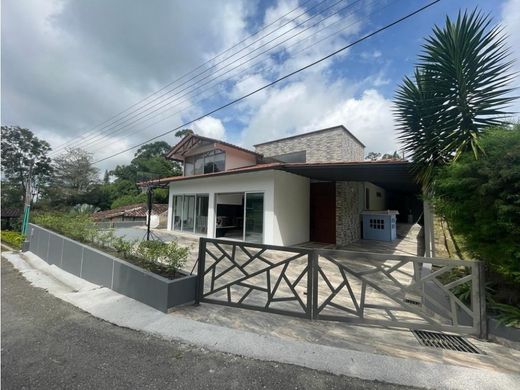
(459, 87)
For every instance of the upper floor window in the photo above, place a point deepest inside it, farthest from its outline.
(209, 162)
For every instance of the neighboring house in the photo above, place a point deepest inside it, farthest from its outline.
(308, 187)
(10, 217)
(133, 212)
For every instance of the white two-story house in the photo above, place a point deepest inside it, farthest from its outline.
(308, 187)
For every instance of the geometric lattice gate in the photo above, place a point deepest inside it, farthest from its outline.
(259, 277)
(401, 291)
(367, 288)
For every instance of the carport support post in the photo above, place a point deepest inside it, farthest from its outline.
(478, 300)
(429, 243)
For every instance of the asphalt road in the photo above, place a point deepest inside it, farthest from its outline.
(48, 344)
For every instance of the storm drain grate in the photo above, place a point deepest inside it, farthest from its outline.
(445, 341)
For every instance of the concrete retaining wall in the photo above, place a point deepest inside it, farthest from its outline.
(105, 270)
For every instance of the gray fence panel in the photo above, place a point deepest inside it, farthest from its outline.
(136, 284)
(43, 244)
(55, 249)
(97, 268)
(72, 253)
(33, 238)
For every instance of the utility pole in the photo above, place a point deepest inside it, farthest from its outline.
(28, 199)
(149, 193)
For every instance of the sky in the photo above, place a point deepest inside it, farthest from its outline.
(86, 73)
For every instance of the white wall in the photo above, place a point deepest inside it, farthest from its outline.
(286, 201)
(376, 203)
(244, 182)
(291, 206)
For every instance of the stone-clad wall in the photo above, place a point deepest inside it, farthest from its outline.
(322, 146)
(349, 197)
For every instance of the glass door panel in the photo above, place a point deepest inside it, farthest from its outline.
(254, 218)
(202, 214)
(188, 213)
(177, 212)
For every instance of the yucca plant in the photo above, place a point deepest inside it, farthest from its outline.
(460, 86)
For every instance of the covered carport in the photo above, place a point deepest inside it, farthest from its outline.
(403, 193)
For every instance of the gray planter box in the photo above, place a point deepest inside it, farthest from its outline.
(109, 271)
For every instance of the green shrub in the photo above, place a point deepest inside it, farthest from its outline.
(151, 250)
(156, 256)
(80, 227)
(169, 256)
(123, 247)
(175, 256)
(507, 315)
(105, 238)
(480, 199)
(15, 239)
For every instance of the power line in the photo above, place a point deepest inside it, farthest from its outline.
(137, 113)
(162, 107)
(62, 146)
(278, 80)
(93, 142)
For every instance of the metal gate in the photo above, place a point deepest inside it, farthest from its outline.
(368, 288)
(252, 276)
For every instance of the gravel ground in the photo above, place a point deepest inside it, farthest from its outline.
(49, 344)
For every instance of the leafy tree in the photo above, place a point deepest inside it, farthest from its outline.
(394, 156)
(128, 199)
(155, 149)
(183, 133)
(459, 88)
(106, 177)
(480, 198)
(74, 172)
(149, 163)
(23, 152)
(373, 156)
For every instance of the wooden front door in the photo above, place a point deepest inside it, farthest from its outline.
(323, 212)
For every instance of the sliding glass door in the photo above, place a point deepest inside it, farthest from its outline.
(190, 213)
(254, 217)
(201, 216)
(177, 212)
(240, 216)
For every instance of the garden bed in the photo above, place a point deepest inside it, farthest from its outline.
(106, 270)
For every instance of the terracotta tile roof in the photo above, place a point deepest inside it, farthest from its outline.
(11, 212)
(133, 210)
(141, 212)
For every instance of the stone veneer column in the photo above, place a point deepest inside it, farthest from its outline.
(348, 207)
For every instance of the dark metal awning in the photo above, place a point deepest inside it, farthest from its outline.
(391, 175)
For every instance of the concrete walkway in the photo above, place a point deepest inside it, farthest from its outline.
(123, 311)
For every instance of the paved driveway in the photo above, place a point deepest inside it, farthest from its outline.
(48, 344)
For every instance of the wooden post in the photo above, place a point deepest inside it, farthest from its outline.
(478, 300)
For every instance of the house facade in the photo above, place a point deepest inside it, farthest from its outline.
(309, 187)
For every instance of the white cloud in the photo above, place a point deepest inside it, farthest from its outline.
(210, 127)
(89, 61)
(368, 117)
(315, 103)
